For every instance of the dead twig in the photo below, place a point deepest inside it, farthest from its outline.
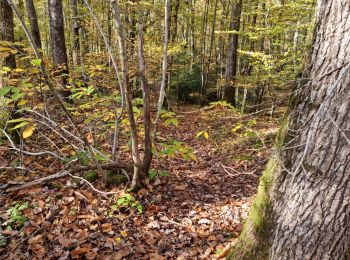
(94, 189)
(237, 173)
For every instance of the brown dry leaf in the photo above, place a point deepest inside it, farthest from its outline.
(80, 195)
(85, 217)
(212, 238)
(153, 209)
(30, 191)
(106, 227)
(142, 192)
(36, 240)
(123, 252)
(65, 241)
(82, 234)
(109, 243)
(90, 138)
(91, 255)
(30, 229)
(79, 251)
(38, 250)
(9, 232)
(155, 256)
(181, 187)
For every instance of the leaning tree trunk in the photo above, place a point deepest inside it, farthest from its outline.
(303, 210)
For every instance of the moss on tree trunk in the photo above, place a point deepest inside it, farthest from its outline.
(253, 243)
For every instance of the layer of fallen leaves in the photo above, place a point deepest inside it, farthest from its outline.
(195, 213)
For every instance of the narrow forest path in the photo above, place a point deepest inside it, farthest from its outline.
(193, 209)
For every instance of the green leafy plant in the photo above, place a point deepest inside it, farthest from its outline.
(170, 118)
(247, 132)
(152, 174)
(17, 218)
(178, 149)
(81, 156)
(127, 201)
(221, 104)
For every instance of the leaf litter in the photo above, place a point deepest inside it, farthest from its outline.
(193, 209)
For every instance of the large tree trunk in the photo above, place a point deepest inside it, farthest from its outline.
(305, 213)
(6, 31)
(33, 21)
(231, 62)
(58, 43)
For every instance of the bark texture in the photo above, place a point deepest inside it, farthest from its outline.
(312, 193)
(33, 21)
(59, 50)
(306, 214)
(6, 31)
(231, 61)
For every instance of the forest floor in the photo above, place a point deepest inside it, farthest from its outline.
(191, 209)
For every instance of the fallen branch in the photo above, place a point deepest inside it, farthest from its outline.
(39, 181)
(62, 174)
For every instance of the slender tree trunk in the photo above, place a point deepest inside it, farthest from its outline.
(193, 40)
(204, 47)
(248, 67)
(33, 21)
(231, 61)
(128, 93)
(303, 205)
(146, 99)
(164, 65)
(75, 33)
(58, 43)
(212, 43)
(7, 31)
(173, 35)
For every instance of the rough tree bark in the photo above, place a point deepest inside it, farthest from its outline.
(58, 43)
(33, 21)
(231, 61)
(6, 31)
(302, 207)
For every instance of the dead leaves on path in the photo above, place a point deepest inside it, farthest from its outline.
(195, 213)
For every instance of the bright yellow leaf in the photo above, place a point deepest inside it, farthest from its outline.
(118, 240)
(124, 233)
(22, 102)
(206, 135)
(28, 132)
